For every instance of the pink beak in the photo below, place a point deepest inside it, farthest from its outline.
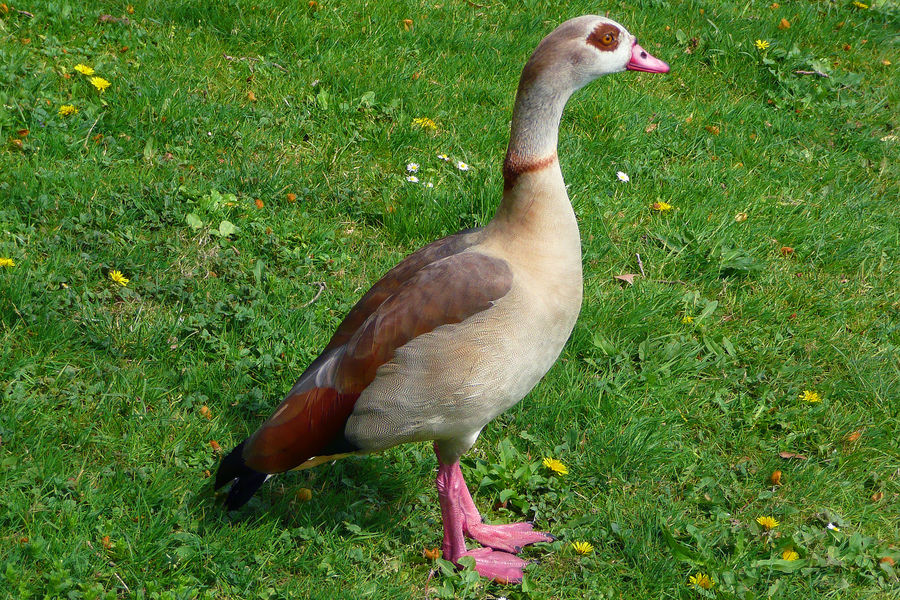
(641, 60)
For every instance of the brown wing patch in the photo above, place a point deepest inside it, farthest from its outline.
(385, 287)
(313, 416)
(515, 165)
(445, 292)
(605, 37)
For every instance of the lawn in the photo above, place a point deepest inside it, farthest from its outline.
(245, 171)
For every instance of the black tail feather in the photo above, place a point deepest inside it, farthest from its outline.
(246, 480)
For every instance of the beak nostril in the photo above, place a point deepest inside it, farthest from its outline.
(643, 55)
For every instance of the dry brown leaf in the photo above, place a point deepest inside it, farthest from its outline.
(304, 494)
(627, 278)
(790, 455)
(215, 446)
(431, 554)
(877, 496)
(106, 542)
(651, 127)
(887, 560)
(713, 129)
(251, 96)
(786, 250)
(852, 437)
(204, 410)
(260, 203)
(775, 478)
(407, 24)
(784, 24)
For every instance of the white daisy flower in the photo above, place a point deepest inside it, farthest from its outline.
(623, 176)
(444, 157)
(832, 527)
(412, 179)
(412, 167)
(428, 185)
(462, 166)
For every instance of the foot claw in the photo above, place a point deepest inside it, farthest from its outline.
(502, 567)
(508, 538)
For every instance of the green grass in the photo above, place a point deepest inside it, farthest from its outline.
(670, 430)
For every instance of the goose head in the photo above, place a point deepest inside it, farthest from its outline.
(584, 48)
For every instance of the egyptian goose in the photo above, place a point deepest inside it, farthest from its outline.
(462, 329)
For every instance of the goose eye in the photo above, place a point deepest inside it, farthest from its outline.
(607, 39)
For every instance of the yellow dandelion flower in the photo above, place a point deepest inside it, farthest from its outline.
(99, 83)
(556, 466)
(7, 262)
(67, 109)
(790, 554)
(810, 396)
(119, 278)
(84, 69)
(687, 320)
(661, 207)
(861, 6)
(582, 547)
(761, 44)
(702, 580)
(767, 522)
(424, 123)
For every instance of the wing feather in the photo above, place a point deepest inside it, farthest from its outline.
(313, 416)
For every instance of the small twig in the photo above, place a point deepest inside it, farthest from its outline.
(227, 57)
(124, 585)
(321, 285)
(109, 563)
(819, 73)
(675, 282)
(87, 137)
(640, 264)
(26, 13)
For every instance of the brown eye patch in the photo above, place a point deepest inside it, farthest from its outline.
(605, 37)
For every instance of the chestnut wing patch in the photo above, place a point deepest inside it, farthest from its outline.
(445, 292)
(393, 279)
(303, 425)
(312, 418)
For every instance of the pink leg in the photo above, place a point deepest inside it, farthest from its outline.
(511, 537)
(461, 517)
